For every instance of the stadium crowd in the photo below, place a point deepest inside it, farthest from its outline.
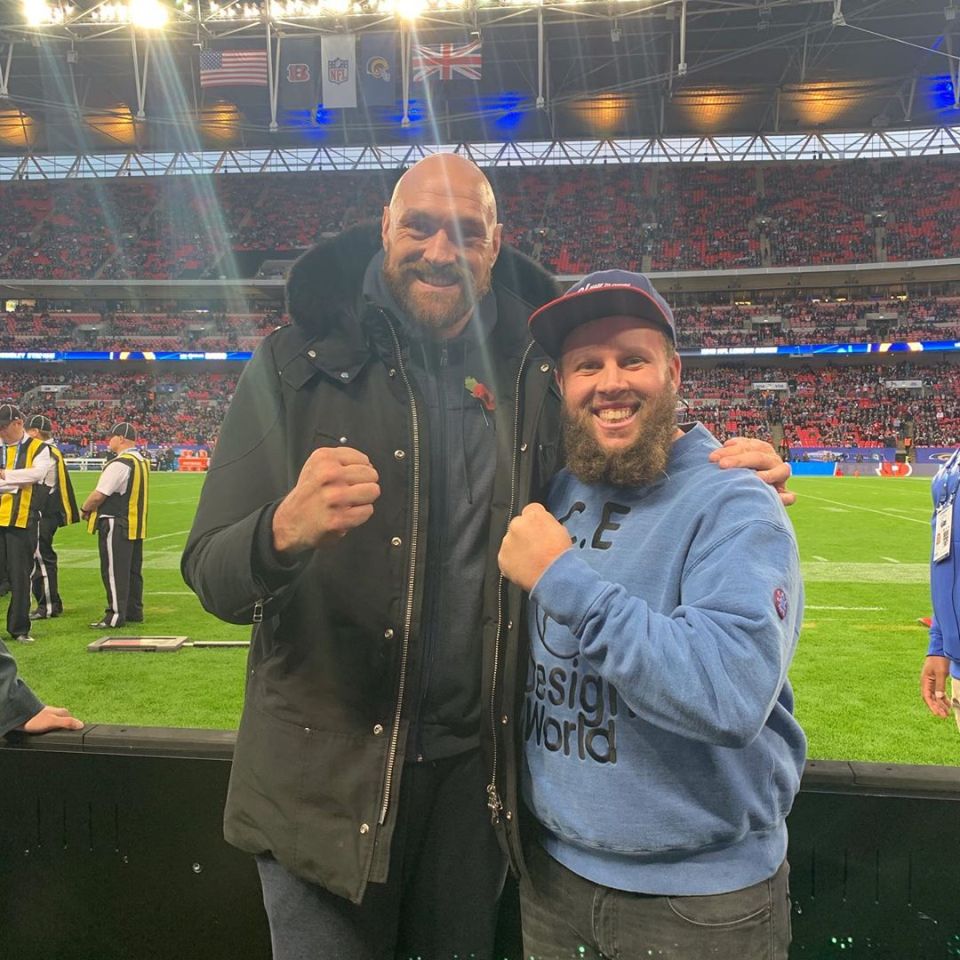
(572, 219)
(171, 327)
(830, 404)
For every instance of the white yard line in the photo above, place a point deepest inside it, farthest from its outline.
(164, 536)
(853, 506)
(890, 559)
(807, 606)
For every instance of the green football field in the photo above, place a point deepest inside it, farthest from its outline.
(864, 544)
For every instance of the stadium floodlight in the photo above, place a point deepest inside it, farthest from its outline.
(110, 13)
(408, 9)
(148, 14)
(39, 13)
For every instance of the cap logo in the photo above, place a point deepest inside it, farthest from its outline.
(593, 286)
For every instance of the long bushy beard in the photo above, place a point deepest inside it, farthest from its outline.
(640, 463)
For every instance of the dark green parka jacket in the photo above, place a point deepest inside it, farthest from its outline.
(334, 656)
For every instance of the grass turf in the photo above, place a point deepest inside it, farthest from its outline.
(864, 544)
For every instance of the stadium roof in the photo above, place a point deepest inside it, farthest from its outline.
(638, 68)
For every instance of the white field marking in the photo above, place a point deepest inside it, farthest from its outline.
(852, 506)
(836, 509)
(164, 536)
(890, 559)
(79, 559)
(808, 606)
(821, 559)
(865, 572)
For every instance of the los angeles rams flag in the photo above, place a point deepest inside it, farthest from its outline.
(379, 67)
(299, 78)
(338, 70)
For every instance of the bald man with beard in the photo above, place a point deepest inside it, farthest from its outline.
(367, 469)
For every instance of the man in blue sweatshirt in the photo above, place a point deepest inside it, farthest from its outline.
(943, 654)
(662, 755)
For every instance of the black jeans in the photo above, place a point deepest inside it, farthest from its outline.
(442, 892)
(568, 918)
(16, 562)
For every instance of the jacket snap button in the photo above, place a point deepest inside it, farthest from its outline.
(343, 440)
(504, 719)
(391, 372)
(509, 815)
(388, 633)
(396, 541)
(509, 624)
(544, 367)
(364, 827)
(312, 354)
(399, 454)
(344, 375)
(523, 448)
(377, 729)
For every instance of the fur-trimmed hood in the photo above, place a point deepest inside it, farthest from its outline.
(327, 280)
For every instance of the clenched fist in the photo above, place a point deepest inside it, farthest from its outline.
(533, 541)
(335, 492)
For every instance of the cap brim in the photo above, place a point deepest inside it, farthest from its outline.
(552, 324)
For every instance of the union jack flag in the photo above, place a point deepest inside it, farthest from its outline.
(447, 61)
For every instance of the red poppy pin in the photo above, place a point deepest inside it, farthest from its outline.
(482, 392)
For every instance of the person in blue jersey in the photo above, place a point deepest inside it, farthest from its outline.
(943, 654)
(661, 751)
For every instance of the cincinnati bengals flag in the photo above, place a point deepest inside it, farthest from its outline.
(299, 87)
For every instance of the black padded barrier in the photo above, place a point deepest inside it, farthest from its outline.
(111, 849)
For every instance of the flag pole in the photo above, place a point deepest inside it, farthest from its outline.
(141, 84)
(272, 74)
(541, 100)
(405, 72)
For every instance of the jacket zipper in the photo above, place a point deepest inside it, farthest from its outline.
(408, 612)
(494, 803)
(431, 588)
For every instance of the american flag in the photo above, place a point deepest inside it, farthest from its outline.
(233, 68)
(447, 61)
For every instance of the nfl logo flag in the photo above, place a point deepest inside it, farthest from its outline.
(447, 61)
(338, 68)
(233, 68)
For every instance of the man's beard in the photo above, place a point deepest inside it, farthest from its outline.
(638, 464)
(435, 313)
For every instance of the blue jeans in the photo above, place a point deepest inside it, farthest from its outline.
(568, 918)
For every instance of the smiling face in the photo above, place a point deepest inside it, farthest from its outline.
(441, 239)
(619, 380)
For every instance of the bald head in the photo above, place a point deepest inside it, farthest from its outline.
(441, 239)
(445, 173)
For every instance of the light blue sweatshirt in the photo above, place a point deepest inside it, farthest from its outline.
(662, 755)
(945, 573)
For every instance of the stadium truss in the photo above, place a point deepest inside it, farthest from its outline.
(82, 77)
(874, 145)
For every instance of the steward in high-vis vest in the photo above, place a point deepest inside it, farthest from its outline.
(117, 511)
(59, 508)
(24, 462)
